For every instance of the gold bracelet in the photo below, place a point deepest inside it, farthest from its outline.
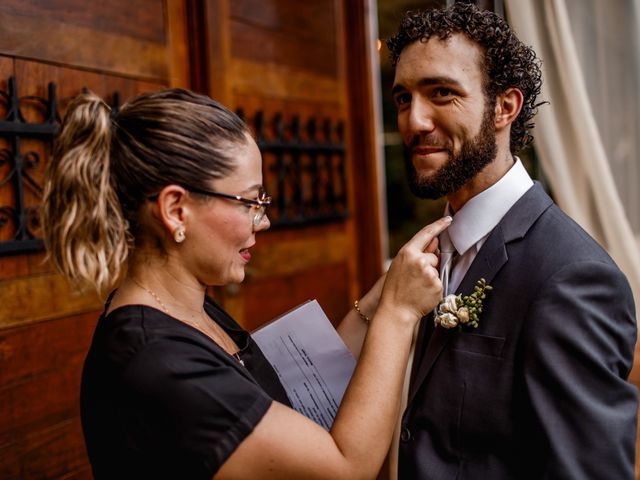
(362, 315)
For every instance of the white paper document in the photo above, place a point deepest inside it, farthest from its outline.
(310, 358)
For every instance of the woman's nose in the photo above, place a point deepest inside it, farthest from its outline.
(264, 224)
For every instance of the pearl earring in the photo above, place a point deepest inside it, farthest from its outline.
(179, 235)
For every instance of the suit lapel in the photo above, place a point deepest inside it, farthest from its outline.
(490, 259)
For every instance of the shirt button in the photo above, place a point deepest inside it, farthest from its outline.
(405, 435)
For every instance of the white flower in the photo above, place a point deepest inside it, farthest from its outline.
(449, 304)
(447, 314)
(463, 315)
(456, 310)
(447, 320)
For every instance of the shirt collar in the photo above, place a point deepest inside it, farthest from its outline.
(482, 213)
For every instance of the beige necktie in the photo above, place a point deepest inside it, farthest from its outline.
(447, 257)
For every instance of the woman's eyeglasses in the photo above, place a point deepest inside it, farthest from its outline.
(260, 204)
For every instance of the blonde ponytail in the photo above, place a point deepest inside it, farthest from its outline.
(85, 232)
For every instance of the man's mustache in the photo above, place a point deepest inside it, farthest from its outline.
(428, 141)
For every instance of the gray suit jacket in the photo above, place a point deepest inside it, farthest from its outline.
(539, 389)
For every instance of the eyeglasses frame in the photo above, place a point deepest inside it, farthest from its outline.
(260, 204)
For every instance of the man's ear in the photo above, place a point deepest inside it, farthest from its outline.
(508, 106)
(171, 207)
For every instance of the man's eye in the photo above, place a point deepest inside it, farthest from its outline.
(402, 99)
(442, 92)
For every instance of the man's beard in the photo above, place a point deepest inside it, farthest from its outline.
(474, 155)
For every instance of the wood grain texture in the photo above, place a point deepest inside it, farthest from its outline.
(216, 55)
(34, 77)
(57, 450)
(39, 426)
(286, 32)
(178, 44)
(327, 283)
(82, 47)
(363, 143)
(280, 257)
(35, 298)
(27, 352)
(282, 81)
(135, 18)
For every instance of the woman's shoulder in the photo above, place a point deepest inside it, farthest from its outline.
(135, 321)
(130, 333)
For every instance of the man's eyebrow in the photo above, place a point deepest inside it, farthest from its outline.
(428, 81)
(397, 88)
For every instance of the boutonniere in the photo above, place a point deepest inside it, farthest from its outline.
(458, 311)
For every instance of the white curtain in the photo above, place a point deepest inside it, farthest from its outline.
(588, 137)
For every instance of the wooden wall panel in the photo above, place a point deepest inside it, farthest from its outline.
(281, 81)
(134, 18)
(128, 46)
(286, 32)
(286, 251)
(28, 352)
(58, 450)
(39, 384)
(283, 49)
(327, 283)
(70, 33)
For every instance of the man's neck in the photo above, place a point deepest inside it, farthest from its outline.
(487, 177)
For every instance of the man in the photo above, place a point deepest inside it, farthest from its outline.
(539, 389)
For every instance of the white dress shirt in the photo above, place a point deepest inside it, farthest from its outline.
(473, 223)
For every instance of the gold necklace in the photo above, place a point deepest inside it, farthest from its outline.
(153, 294)
(221, 339)
(229, 346)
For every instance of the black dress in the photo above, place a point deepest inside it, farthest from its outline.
(159, 399)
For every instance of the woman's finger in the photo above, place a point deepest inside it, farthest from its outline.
(433, 247)
(425, 236)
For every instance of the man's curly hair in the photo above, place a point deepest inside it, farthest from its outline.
(507, 61)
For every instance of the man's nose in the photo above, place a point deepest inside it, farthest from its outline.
(420, 119)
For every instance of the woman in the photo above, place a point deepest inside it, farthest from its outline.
(171, 187)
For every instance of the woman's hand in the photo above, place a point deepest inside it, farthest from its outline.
(412, 286)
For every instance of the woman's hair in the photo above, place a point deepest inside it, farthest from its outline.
(104, 167)
(507, 61)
